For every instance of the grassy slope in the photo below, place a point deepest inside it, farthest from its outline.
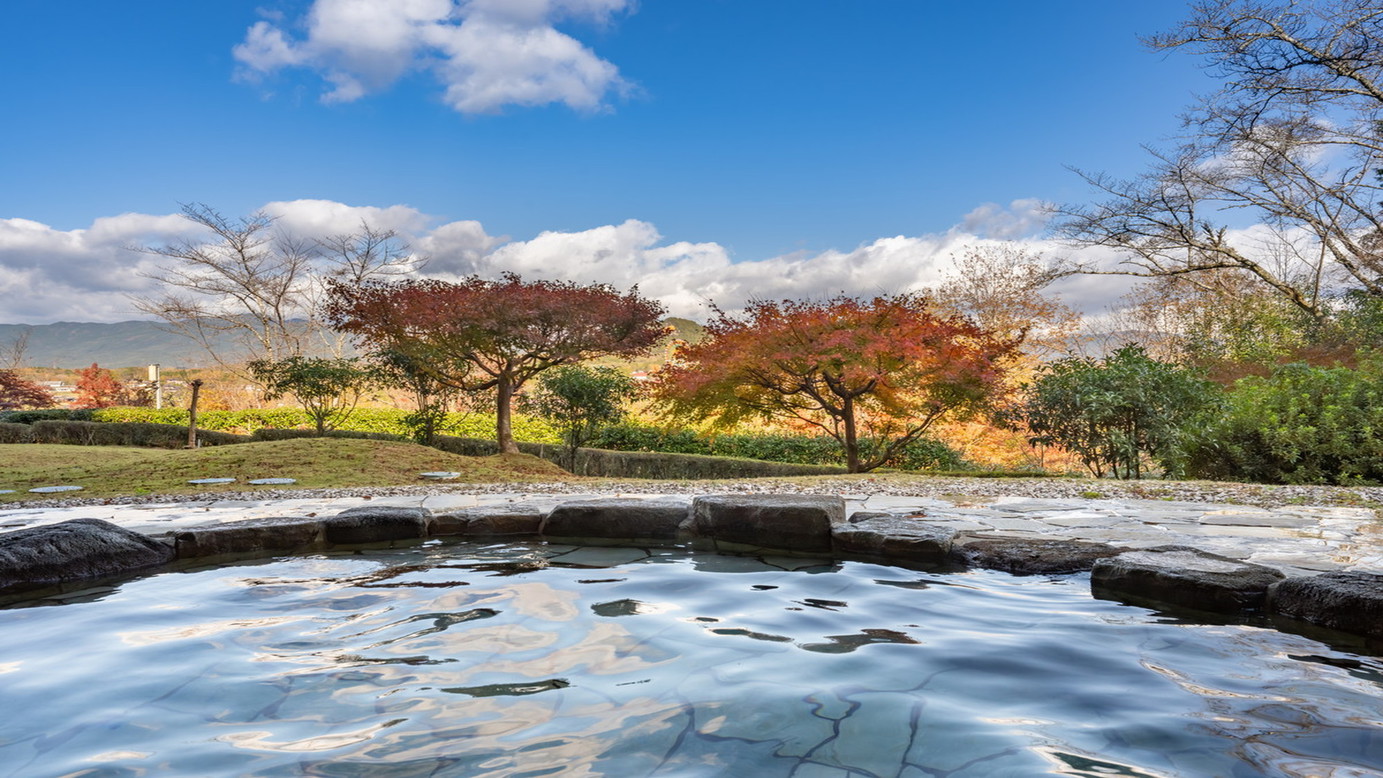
(107, 471)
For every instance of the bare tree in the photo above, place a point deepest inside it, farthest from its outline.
(258, 286)
(12, 354)
(1292, 139)
(1001, 288)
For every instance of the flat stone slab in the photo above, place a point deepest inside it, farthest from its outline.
(1351, 602)
(1025, 555)
(253, 535)
(377, 524)
(488, 521)
(880, 534)
(617, 517)
(1186, 576)
(795, 522)
(75, 550)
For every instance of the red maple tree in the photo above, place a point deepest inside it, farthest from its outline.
(480, 334)
(98, 387)
(872, 374)
(17, 393)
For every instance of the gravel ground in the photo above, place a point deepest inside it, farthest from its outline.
(958, 490)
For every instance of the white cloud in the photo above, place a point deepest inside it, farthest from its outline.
(49, 275)
(1019, 219)
(486, 53)
(326, 218)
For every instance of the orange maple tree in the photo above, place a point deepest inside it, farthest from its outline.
(479, 335)
(98, 387)
(872, 374)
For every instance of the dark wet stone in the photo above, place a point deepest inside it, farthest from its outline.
(862, 516)
(1181, 575)
(616, 518)
(1347, 601)
(516, 519)
(796, 522)
(896, 538)
(279, 534)
(75, 550)
(1029, 556)
(377, 523)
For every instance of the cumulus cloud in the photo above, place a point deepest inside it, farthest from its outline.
(326, 218)
(1019, 219)
(486, 54)
(49, 275)
(88, 274)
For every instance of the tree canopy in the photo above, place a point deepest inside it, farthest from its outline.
(873, 374)
(480, 335)
(17, 393)
(1116, 412)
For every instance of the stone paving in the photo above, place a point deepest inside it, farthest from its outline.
(1298, 540)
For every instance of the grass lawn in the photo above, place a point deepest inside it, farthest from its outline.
(110, 471)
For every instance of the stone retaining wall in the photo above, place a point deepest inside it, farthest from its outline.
(86, 549)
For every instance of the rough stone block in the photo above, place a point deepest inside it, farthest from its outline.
(1348, 601)
(1029, 555)
(1181, 575)
(795, 522)
(882, 534)
(512, 519)
(617, 518)
(254, 535)
(377, 524)
(75, 550)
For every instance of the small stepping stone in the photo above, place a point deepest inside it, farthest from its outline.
(213, 481)
(273, 481)
(441, 475)
(6, 491)
(52, 489)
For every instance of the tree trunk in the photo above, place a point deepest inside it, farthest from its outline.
(851, 437)
(192, 414)
(504, 429)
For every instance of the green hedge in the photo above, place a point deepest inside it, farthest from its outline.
(925, 454)
(90, 433)
(15, 433)
(388, 421)
(268, 433)
(46, 414)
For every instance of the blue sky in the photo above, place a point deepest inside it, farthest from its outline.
(770, 129)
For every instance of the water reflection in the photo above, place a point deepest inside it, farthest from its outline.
(513, 660)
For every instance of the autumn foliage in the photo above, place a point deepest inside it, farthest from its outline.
(480, 334)
(872, 374)
(98, 387)
(17, 393)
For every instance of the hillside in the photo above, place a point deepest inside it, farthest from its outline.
(136, 343)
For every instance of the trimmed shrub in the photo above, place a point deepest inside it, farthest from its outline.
(46, 414)
(90, 433)
(389, 421)
(267, 433)
(924, 454)
(15, 433)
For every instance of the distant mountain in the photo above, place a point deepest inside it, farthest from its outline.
(69, 344)
(136, 343)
